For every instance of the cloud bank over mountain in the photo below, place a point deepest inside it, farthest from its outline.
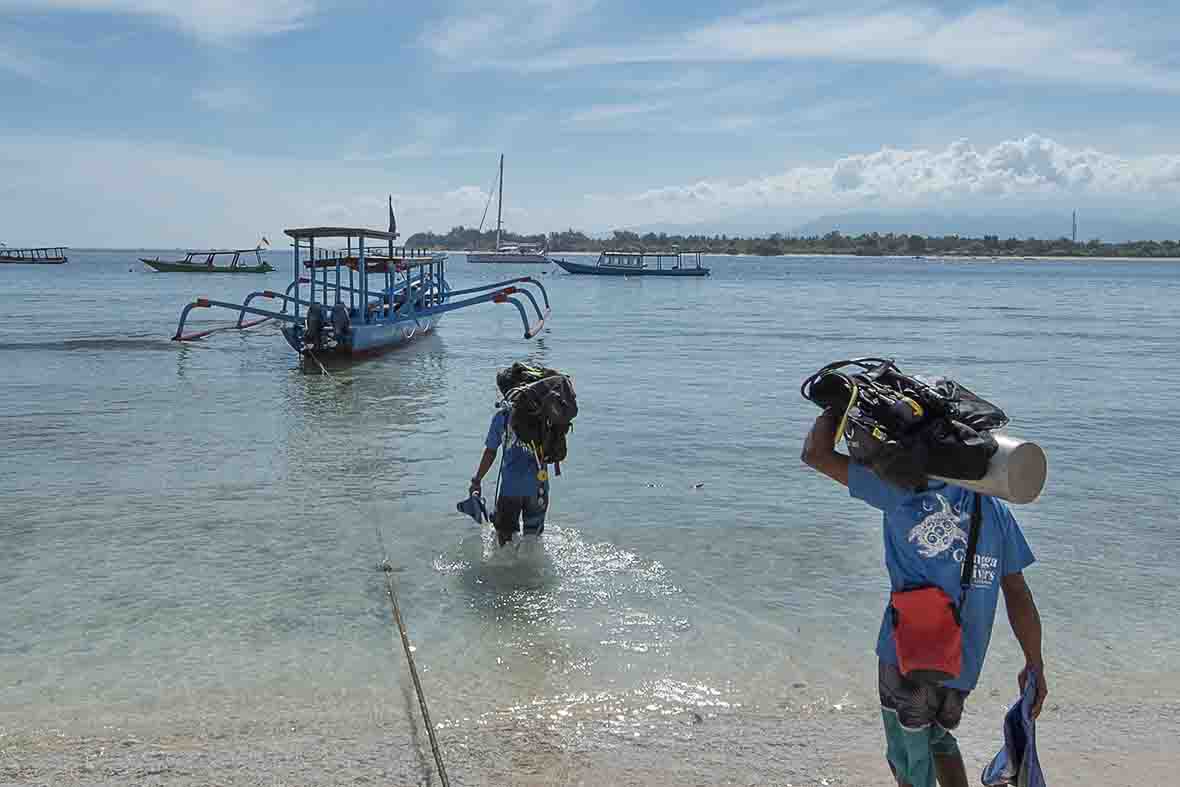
(213, 193)
(1033, 170)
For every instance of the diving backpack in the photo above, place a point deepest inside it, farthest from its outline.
(906, 428)
(544, 406)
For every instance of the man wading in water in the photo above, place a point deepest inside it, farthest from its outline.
(926, 533)
(524, 485)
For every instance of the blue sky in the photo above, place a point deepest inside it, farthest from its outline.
(210, 122)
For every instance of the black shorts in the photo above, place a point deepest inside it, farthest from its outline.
(512, 509)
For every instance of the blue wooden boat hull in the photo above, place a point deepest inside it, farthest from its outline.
(606, 270)
(373, 337)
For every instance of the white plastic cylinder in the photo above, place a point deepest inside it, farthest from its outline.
(1016, 472)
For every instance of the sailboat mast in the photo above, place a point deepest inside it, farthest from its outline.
(500, 202)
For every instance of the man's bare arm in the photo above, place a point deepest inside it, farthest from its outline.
(819, 449)
(1026, 625)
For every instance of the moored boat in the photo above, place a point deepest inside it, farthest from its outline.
(510, 253)
(42, 255)
(639, 263)
(206, 262)
(366, 297)
(506, 253)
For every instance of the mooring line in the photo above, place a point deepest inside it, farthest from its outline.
(324, 371)
(401, 627)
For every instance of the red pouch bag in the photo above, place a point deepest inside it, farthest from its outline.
(927, 623)
(927, 634)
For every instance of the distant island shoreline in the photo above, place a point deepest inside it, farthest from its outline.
(882, 245)
(834, 243)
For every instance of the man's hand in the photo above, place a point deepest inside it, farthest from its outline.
(1042, 688)
(821, 440)
(474, 488)
(819, 449)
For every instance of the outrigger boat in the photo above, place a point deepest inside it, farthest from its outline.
(191, 263)
(366, 297)
(639, 263)
(44, 255)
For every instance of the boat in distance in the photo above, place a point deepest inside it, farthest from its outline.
(43, 255)
(506, 253)
(510, 253)
(639, 263)
(193, 264)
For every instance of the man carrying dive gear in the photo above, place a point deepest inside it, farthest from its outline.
(531, 423)
(930, 531)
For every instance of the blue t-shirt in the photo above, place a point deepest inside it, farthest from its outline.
(925, 543)
(518, 475)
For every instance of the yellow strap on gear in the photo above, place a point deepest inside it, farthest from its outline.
(844, 420)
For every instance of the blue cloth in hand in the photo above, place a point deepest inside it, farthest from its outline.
(473, 506)
(1017, 763)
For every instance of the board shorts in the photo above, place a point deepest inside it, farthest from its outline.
(918, 719)
(512, 510)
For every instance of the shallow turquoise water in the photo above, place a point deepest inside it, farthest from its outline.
(192, 532)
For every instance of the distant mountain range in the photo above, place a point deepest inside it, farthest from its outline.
(1048, 226)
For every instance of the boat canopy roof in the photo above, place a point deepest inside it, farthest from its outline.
(339, 232)
(223, 251)
(639, 253)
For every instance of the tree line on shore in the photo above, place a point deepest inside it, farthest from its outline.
(870, 244)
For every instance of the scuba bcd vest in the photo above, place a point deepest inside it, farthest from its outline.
(543, 407)
(906, 428)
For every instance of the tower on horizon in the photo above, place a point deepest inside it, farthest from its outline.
(1075, 226)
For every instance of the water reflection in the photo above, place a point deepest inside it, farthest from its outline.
(355, 419)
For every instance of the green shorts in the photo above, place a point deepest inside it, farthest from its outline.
(918, 720)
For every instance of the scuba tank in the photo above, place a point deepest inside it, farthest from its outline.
(1016, 471)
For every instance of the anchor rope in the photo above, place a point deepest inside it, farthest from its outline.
(387, 567)
(324, 370)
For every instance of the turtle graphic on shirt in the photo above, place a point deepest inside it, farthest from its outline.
(938, 531)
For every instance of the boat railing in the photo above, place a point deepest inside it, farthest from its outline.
(639, 259)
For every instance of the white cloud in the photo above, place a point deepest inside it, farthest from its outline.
(608, 115)
(997, 40)
(476, 29)
(1030, 169)
(88, 191)
(216, 21)
(83, 191)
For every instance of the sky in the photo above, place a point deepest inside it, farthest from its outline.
(139, 123)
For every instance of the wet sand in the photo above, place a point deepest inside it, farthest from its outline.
(1080, 747)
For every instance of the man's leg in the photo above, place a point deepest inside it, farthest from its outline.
(533, 511)
(908, 710)
(908, 752)
(948, 762)
(508, 508)
(950, 770)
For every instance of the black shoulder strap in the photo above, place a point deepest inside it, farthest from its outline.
(972, 543)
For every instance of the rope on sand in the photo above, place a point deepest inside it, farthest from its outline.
(401, 627)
